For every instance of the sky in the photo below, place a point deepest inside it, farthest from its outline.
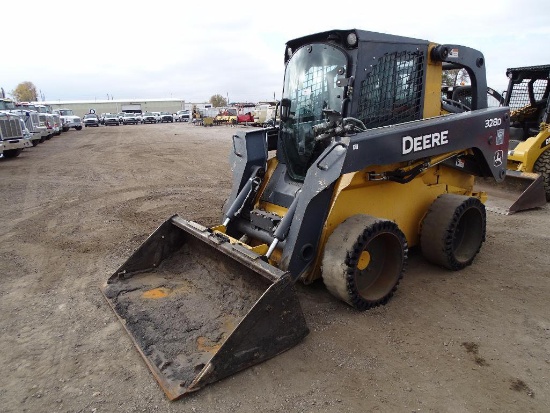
(73, 50)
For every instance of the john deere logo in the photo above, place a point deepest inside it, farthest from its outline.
(498, 157)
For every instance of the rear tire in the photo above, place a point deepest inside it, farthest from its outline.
(542, 166)
(364, 260)
(453, 231)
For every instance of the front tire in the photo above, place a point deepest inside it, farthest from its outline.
(12, 153)
(453, 230)
(542, 166)
(364, 260)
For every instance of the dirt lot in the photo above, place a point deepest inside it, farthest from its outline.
(75, 207)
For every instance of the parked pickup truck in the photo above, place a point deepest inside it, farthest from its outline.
(130, 119)
(166, 117)
(149, 117)
(182, 116)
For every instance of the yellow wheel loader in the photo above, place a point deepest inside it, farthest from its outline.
(527, 183)
(368, 163)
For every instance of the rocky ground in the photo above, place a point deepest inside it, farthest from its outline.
(75, 207)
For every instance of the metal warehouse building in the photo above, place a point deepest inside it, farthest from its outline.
(81, 107)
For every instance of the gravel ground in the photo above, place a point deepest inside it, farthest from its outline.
(74, 209)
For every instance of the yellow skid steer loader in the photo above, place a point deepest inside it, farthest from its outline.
(527, 183)
(369, 162)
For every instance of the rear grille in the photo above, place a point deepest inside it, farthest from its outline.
(11, 128)
(392, 91)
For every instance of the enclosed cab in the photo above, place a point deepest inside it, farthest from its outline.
(30, 116)
(69, 120)
(32, 124)
(367, 162)
(11, 135)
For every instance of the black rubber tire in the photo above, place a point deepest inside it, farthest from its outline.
(364, 261)
(12, 153)
(542, 166)
(453, 231)
(78, 128)
(35, 142)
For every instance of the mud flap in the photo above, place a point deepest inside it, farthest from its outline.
(199, 308)
(518, 192)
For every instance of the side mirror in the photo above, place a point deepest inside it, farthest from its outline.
(285, 109)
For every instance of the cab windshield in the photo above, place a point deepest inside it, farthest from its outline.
(310, 85)
(6, 105)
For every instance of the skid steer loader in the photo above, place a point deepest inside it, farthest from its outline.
(527, 183)
(365, 164)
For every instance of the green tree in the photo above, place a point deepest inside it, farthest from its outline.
(218, 101)
(25, 92)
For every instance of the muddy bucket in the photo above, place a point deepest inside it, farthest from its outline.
(199, 308)
(518, 192)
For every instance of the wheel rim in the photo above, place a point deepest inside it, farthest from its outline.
(468, 235)
(379, 267)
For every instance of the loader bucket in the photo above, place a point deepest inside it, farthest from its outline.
(199, 308)
(518, 192)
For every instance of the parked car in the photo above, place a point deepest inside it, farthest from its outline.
(149, 117)
(111, 119)
(156, 115)
(182, 116)
(130, 119)
(91, 119)
(166, 117)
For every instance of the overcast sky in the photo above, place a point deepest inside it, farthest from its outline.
(74, 50)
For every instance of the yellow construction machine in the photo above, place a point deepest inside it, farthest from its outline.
(527, 183)
(369, 163)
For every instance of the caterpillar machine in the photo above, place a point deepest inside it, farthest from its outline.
(527, 183)
(366, 163)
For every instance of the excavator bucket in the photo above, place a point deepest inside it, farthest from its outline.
(518, 192)
(200, 308)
